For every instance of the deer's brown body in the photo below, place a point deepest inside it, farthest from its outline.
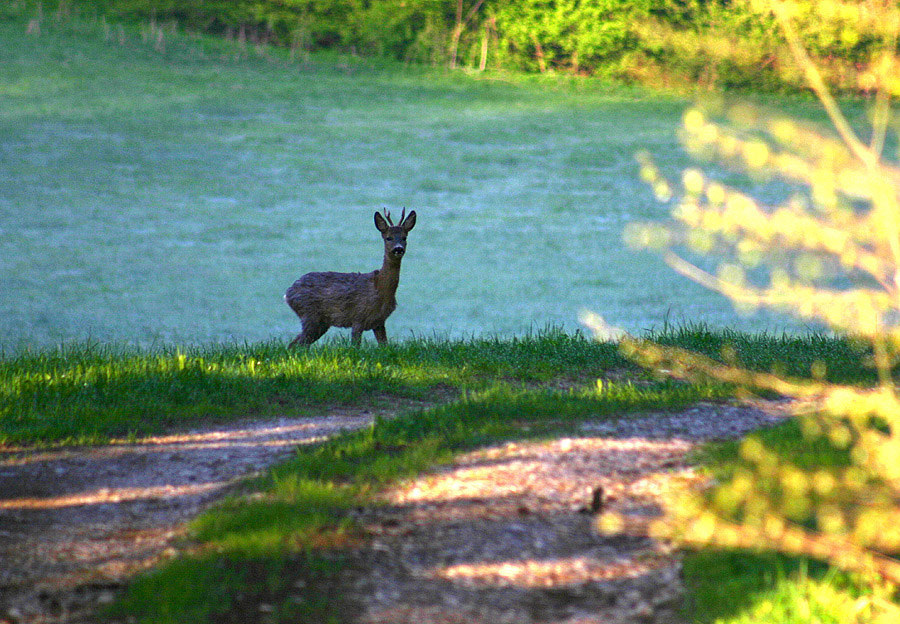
(361, 301)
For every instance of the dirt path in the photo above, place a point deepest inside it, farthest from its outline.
(76, 523)
(505, 534)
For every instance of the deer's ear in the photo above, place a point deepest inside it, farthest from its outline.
(409, 222)
(380, 223)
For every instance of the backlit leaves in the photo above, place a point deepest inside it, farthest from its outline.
(828, 251)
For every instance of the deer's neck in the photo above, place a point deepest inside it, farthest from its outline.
(388, 276)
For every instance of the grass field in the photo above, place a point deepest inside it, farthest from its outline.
(92, 392)
(170, 194)
(155, 201)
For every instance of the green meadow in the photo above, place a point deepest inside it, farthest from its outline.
(157, 195)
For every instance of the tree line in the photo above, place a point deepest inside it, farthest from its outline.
(721, 43)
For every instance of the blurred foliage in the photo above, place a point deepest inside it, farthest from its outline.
(721, 43)
(827, 250)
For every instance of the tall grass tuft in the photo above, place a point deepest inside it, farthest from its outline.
(90, 392)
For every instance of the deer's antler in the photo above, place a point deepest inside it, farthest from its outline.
(387, 215)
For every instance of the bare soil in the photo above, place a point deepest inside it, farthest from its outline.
(504, 534)
(508, 534)
(77, 523)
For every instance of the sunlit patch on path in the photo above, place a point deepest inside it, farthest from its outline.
(508, 533)
(105, 495)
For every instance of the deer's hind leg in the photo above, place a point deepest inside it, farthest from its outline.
(380, 334)
(312, 331)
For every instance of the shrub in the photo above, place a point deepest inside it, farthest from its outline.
(828, 252)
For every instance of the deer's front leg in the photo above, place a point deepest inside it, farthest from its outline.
(356, 335)
(380, 334)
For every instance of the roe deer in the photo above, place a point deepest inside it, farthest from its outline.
(361, 301)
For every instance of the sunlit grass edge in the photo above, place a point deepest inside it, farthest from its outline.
(92, 392)
(751, 587)
(734, 586)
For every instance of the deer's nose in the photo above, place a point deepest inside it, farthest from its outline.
(398, 250)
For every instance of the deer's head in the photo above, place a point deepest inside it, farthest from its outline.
(395, 235)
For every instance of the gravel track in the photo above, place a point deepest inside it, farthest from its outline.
(504, 534)
(77, 523)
